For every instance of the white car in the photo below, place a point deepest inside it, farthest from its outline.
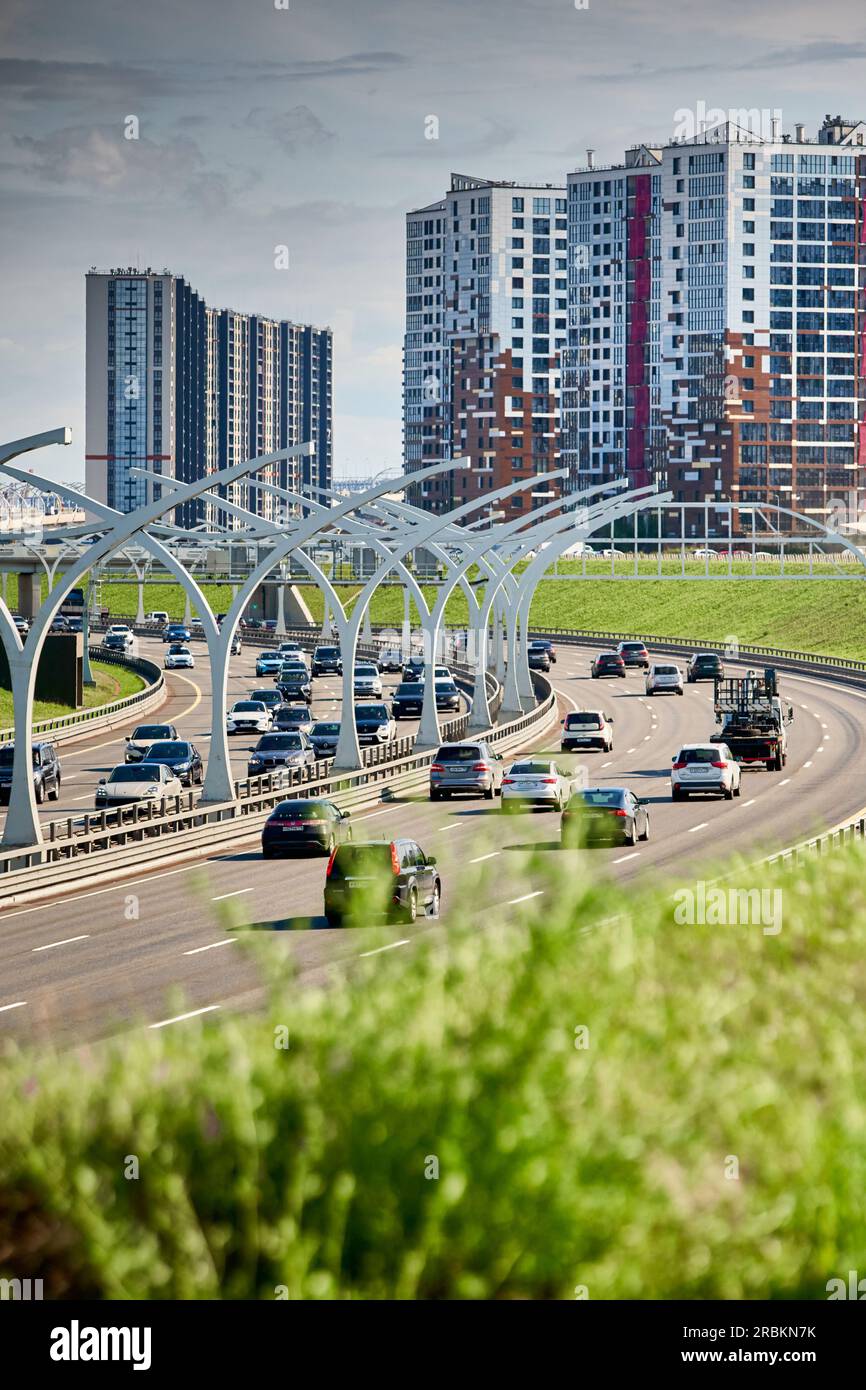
(587, 728)
(248, 716)
(290, 651)
(179, 658)
(662, 678)
(130, 782)
(121, 632)
(539, 782)
(367, 681)
(158, 616)
(704, 767)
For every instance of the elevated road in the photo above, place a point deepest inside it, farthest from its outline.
(164, 945)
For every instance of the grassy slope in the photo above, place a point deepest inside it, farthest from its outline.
(557, 1167)
(112, 683)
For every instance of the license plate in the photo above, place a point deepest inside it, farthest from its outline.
(292, 825)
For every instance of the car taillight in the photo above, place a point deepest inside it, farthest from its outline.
(718, 764)
(480, 767)
(395, 860)
(678, 767)
(507, 781)
(617, 811)
(330, 863)
(549, 781)
(437, 767)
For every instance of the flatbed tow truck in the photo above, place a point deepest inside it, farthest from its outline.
(754, 719)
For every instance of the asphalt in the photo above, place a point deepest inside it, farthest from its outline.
(169, 944)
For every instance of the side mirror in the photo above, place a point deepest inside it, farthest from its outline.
(344, 815)
(431, 859)
(673, 758)
(643, 801)
(101, 782)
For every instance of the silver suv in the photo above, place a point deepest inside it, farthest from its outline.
(466, 767)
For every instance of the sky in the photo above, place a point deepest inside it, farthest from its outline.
(305, 123)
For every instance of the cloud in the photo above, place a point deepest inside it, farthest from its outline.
(102, 159)
(39, 80)
(803, 55)
(348, 65)
(294, 130)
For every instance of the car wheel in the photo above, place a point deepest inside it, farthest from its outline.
(436, 902)
(676, 793)
(490, 793)
(680, 691)
(728, 793)
(645, 835)
(737, 789)
(631, 837)
(267, 852)
(410, 912)
(40, 793)
(333, 919)
(331, 845)
(55, 794)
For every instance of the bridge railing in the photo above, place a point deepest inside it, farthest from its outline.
(103, 716)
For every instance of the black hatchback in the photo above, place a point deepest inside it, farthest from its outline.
(304, 824)
(182, 757)
(381, 878)
(605, 814)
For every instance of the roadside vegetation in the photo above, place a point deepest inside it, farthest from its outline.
(594, 1101)
(112, 683)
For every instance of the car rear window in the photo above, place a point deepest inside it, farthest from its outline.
(300, 810)
(666, 671)
(633, 646)
(531, 769)
(582, 718)
(458, 753)
(699, 755)
(361, 861)
(602, 796)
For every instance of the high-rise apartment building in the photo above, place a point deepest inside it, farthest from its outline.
(186, 390)
(486, 310)
(717, 339)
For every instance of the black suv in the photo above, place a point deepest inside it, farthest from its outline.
(704, 666)
(327, 659)
(381, 879)
(46, 771)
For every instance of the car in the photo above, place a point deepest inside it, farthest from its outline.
(611, 814)
(374, 724)
(367, 681)
(664, 678)
(295, 687)
(326, 660)
(704, 553)
(247, 716)
(545, 644)
(704, 767)
(270, 696)
(291, 651)
(538, 658)
(59, 624)
(179, 657)
(143, 736)
(634, 654)
(268, 663)
(46, 772)
(324, 736)
(21, 624)
(408, 699)
(74, 624)
(465, 767)
(587, 728)
(391, 660)
(704, 666)
(157, 617)
(414, 669)
(143, 782)
(292, 668)
(310, 823)
(182, 757)
(536, 782)
(613, 554)
(293, 717)
(381, 878)
(236, 647)
(176, 632)
(254, 624)
(122, 628)
(288, 748)
(607, 664)
(118, 641)
(447, 695)
(270, 624)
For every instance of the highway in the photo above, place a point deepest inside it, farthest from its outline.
(163, 946)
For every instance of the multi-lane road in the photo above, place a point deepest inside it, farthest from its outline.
(165, 945)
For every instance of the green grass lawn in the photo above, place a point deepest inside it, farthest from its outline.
(641, 1110)
(112, 683)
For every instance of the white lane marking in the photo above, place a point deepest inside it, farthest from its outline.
(455, 825)
(623, 857)
(824, 726)
(374, 814)
(539, 892)
(606, 764)
(393, 945)
(703, 825)
(749, 803)
(820, 750)
(21, 1004)
(808, 764)
(180, 1018)
(630, 750)
(494, 854)
(100, 892)
(647, 737)
(229, 941)
(784, 782)
(67, 940)
(235, 894)
(88, 796)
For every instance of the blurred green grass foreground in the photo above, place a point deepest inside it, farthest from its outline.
(594, 1102)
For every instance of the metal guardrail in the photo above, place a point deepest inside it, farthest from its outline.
(80, 719)
(684, 645)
